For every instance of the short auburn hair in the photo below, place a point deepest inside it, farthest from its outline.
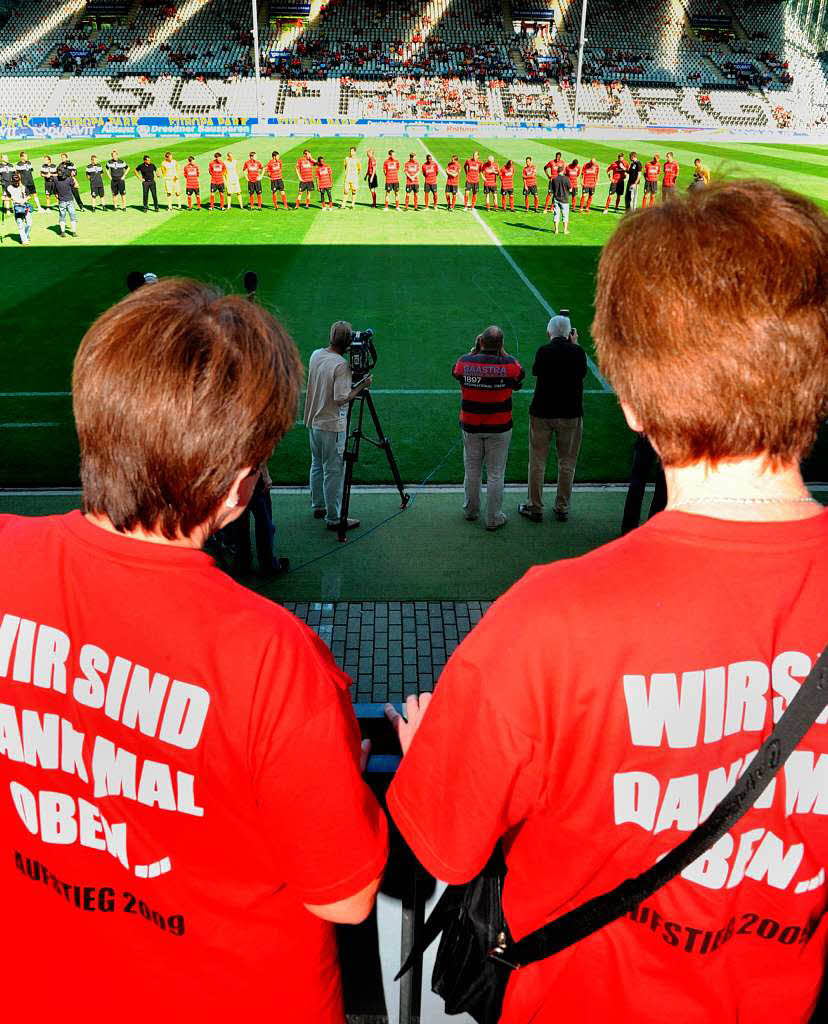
(711, 323)
(175, 390)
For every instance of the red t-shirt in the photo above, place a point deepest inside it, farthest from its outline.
(191, 172)
(472, 169)
(573, 173)
(618, 169)
(305, 168)
(253, 169)
(412, 171)
(430, 172)
(597, 711)
(274, 169)
(391, 170)
(324, 176)
(452, 172)
(490, 173)
(530, 175)
(372, 166)
(590, 174)
(556, 167)
(671, 172)
(507, 176)
(651, 171)
(217, 169)
(196, 782)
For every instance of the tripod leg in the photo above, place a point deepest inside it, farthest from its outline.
(350, 456)
(385, 444)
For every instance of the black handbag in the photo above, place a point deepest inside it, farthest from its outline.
(477, 954)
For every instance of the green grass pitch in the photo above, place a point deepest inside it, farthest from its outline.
(426, 282)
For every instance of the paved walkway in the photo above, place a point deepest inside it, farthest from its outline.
(391, 649)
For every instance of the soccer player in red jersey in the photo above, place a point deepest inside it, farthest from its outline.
(452, 181)
(668, 182)
(530, 183)
(616, 172)
(324, 179)
(552, 169)
(490, 174)
(391, 170)
(652, 172)
(472, 169)
(253, 169)
(412, 179)
(277, 180)
(589, 172)
(371, 177)
(573, 172)
(430, 171)
(191, 173)
(305, 168)
(507, 185)
(217, 170)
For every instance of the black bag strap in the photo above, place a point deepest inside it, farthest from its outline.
(577, 924)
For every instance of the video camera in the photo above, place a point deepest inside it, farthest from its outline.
(362, 354)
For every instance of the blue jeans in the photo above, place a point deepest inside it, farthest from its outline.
(327, 470)
(24, 227)
(65, 208)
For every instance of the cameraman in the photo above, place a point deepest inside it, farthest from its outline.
(329, 392)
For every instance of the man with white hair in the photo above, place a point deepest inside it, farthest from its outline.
(557, 408)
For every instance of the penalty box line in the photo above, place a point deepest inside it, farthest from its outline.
(520, 273)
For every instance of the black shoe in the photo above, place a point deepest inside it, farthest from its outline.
(319, 513)
(280, 567)
(352, 524)
(530, 513)
(561, 516)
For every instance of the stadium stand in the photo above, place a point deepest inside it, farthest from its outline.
(740, 64)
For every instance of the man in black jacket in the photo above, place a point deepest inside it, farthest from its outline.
(557, 408)
(633, 178)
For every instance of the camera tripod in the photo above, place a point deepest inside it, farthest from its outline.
(351, 456)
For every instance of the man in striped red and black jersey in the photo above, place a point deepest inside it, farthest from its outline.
(452, 181)
(488, 375)
(668, 182)
(412, 179)
(324, 178)
(472, 169)
(530, 183)
(217, 169)
(507, 185)
(589, 172)
(617, 173)
(190, 172)
(430, 171)
(573, 172)
(652, 172)
(305, 170)
(276, 174)
(371, 177)
(253, 171)
(490, 176)
(552, 168)
(391, 170)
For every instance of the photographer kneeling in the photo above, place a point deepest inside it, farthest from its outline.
(330, 391)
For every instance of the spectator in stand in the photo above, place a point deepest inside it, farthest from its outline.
(587, 718)
(488, 375)
(239, 811)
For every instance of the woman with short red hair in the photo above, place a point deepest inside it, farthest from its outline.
(605, 704)
(182, 814)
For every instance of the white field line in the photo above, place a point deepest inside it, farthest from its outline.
(544, 304)
(25, 426)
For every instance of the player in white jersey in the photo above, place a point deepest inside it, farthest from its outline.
(353, 172)
(169, 175)
(233, 183)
